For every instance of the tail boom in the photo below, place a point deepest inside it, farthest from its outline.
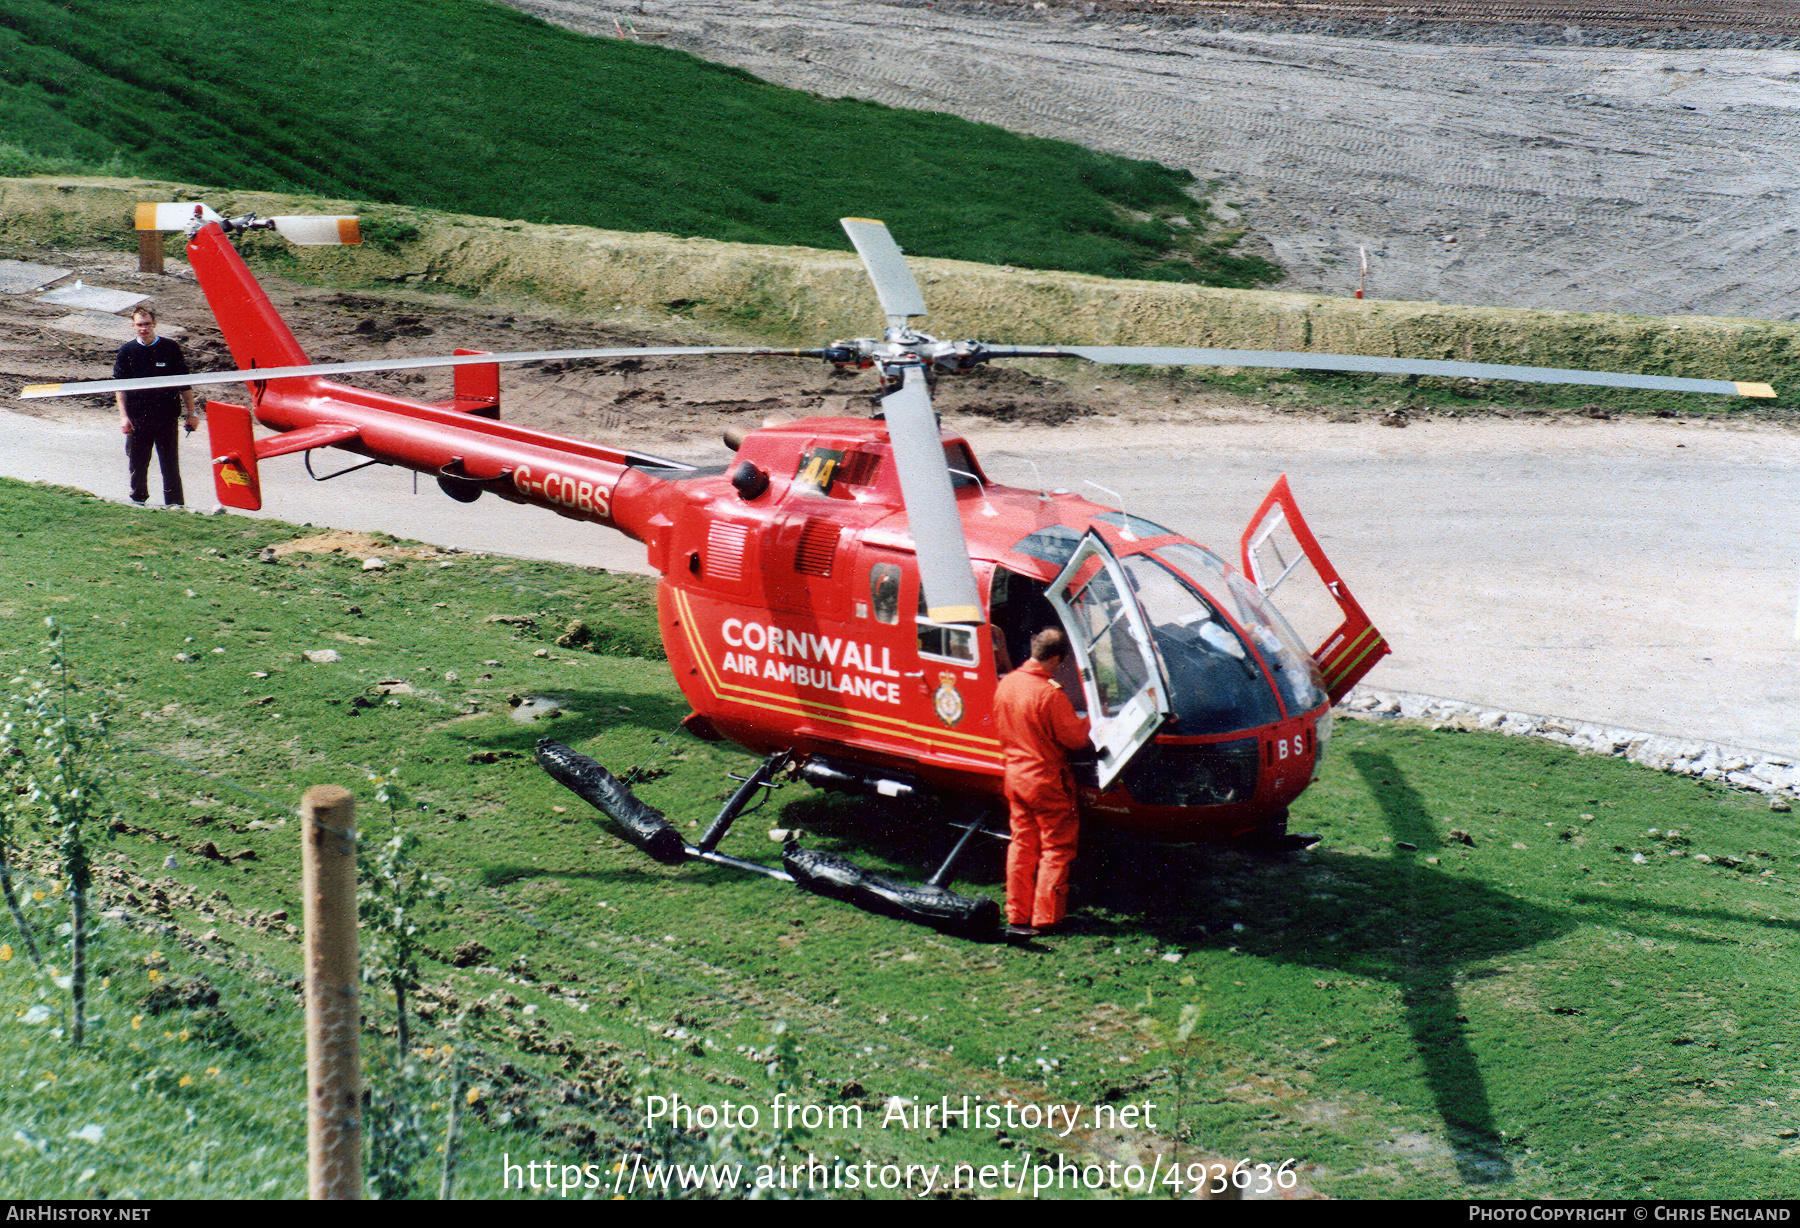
(461, 442)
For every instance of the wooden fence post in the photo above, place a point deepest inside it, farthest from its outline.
(333, 1015)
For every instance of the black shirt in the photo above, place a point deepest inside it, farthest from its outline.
(136, 360)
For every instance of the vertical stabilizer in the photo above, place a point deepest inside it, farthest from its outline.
(232, 437)
(254, 331)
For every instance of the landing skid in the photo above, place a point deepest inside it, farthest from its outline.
(827, 874)
(1274, 837)
(1292, 842)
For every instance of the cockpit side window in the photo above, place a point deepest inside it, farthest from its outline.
(945, 641)
(884, 592)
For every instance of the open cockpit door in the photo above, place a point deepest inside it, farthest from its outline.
(1279, 549)
(1121, 675)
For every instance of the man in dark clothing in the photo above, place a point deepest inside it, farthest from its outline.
(148, 416)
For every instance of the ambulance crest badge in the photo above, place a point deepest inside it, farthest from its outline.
(948, 700)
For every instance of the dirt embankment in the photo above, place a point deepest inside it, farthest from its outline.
(1552, 165)
(801, 296)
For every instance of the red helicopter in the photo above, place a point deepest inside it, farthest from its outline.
(844, 596)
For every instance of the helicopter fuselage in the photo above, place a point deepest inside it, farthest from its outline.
(793, 620)
(790, 601)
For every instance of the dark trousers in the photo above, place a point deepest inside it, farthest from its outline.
(158, 433)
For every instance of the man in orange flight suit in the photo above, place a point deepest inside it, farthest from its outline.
(1038, 728)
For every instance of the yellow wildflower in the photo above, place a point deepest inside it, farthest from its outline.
(184, 1034)
(38, 895)
(184, 1081)
(474, 1095)
(137, 1021)
(155, 976)
(212, 1070)
(5, 951)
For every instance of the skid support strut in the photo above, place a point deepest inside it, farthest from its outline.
(829, 874)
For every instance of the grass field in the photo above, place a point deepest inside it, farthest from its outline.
(475, 108)
(1504, 973)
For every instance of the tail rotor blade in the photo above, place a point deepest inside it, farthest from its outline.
(944, 570)
(173, 215)
(1179, 355)
(300, 230)
(894, 282)
(318, 231)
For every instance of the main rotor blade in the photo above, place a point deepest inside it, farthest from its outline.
(37, 391)
(894, 282)
(1177, 355)
(943, 552)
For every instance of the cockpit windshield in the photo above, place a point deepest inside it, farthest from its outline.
(1296, 673)
(1215, 683)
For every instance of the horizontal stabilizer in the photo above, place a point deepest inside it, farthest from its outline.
(323, 435)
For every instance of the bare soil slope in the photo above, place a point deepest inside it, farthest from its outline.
(1481, 166)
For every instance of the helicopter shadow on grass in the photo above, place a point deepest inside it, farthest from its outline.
(599, 723)
(578, 717)
(1618, 912)
(905, 835)
(1392, 918)
(908, 838)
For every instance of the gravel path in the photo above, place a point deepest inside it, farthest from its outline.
(1487, 172)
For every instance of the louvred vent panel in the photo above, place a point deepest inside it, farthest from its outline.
(725, 551)
(818, 548)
